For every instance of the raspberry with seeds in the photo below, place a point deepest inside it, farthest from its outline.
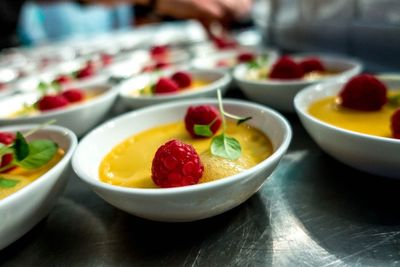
(6, 139)
(176, 164)
(73, 95)
(183, 79)
(363, 92)
(158, 50)
(246, 57)
(50, 102)
(395, 124)
(311, 64)
(165, 85)
(286, 69)
(202, 115)
(63, 79)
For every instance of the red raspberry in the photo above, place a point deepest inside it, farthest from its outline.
(86, 72)
(176, 164)
(161, 65)
(311, 64)
(363, 92)
(158, 50)
(6, 139)
(286, 69)
(395, 124)
(73, 95)
(224, 43)
(202, 115)
(183, 79)
(245, 57)
(49, 102)
(63, 79)
(165, 85)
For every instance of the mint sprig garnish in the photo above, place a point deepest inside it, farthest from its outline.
(222, 145)
(394, 100)
(29, 155)
(258, 62)
(7, 183)
(46, 88)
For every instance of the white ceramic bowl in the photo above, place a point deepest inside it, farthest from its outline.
(210, 61)
(184, 203)
(79, 118)
(279, 94)
(376, 155)
(22, 210)
(217, 80)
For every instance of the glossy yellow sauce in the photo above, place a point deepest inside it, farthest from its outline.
(147, 91)
(30, 110)
(263, 74)
(25, 177)
(368, 122)
(129, 163)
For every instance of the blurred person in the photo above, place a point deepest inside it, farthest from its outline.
(206, 11)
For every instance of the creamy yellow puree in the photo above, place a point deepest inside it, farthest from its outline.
(25, 177)
(368, 122)
(129, 163)
(147, 91)
(29, 110)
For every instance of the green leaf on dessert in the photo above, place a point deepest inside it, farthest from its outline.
(42, 87)
(40, 153)
(253, 64)
(226, 147)
(242, 120)
(7, 183)
(21, 147)
(394, 100)
(202, 130)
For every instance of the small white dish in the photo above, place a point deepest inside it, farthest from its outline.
(188, 203)
(212, 61)
(279, 94)
(79, 117)
(373, 154)
(215, 79)
(23, 209)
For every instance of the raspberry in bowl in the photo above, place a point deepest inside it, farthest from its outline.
(356, 122)
(275, 84)
(76, 108)
(158, 87)
(197, 181)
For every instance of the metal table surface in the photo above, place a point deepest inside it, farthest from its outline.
(312, 211)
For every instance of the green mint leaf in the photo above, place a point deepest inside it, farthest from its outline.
(226, 147)
(56, 86)
(202, 130)
(21, 147)
(40, 153)
(42, 87)
(242, 120)
(7, 183)
(253, 64)
(394, 100)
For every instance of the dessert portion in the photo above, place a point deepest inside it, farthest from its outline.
(203, 147)
(22, 161)
(240, 57)
(178, 82)
(54, 98)
(287, 69)
(364, 105)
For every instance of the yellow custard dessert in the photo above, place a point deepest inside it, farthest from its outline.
(24, 177)
(148, 91)
(368, 122)
(30, 110)
(263, 74)
(129, 163)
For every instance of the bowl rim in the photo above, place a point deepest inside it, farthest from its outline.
(110, 92)
(198, 62)
(222, 81)
(302, 112)
(356, 67)
(277, 153)
(47, 175)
